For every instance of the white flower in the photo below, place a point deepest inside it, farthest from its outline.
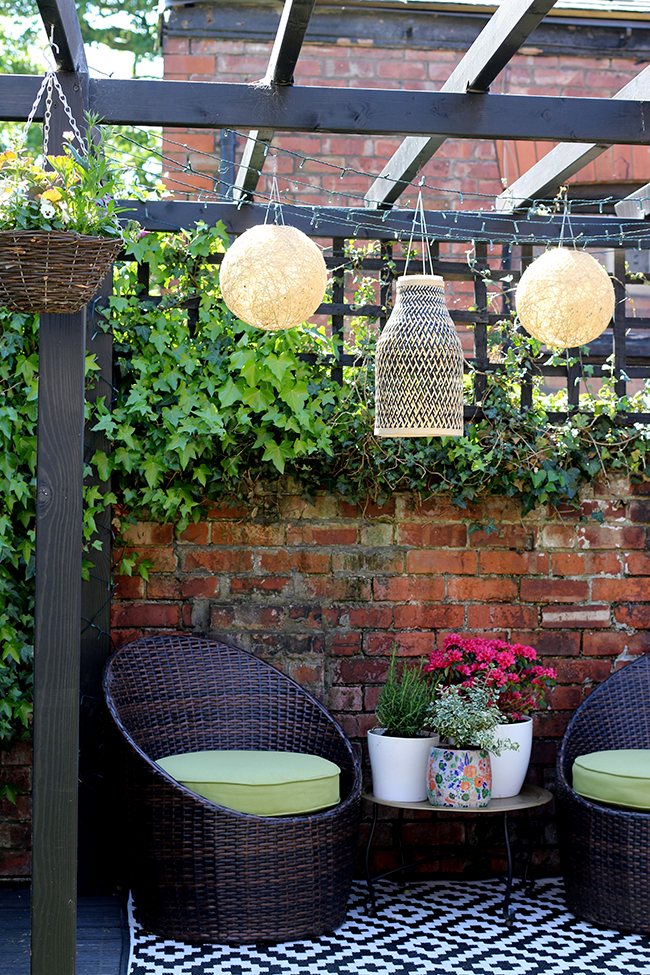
(64, 213)
(47, 209)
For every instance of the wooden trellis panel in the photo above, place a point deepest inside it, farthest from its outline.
(624, 338)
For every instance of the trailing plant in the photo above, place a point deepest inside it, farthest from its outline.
(404, 700)
(18, 384)
(466, 715)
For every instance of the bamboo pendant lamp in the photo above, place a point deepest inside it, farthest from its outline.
(419, 365)
(565, 298)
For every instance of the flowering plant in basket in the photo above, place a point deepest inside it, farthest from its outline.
(510, 671)
(75, 194)
(59, 226)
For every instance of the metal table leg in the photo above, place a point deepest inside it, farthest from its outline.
(508, 915)
(371, 889)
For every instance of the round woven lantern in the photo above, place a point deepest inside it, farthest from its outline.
(419, 365)
(273, 277)
(565, 298)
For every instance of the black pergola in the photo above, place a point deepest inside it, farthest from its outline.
(464, 108)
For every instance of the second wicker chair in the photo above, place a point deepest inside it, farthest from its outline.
(605, 852)
(200, 872)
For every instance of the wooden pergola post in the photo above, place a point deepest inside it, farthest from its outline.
(59, 512)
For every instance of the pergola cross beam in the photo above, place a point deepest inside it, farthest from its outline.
(368, 111)
(500, 39)
(636, 206)
(545, 178)
(279, 73)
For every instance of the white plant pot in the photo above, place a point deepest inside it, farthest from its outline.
(510, 767)
(399, 766)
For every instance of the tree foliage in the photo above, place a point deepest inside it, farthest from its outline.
(123, 25)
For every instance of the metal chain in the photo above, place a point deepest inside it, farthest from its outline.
(68, 111)
(48, 114)
(49, 83)
(30, 117)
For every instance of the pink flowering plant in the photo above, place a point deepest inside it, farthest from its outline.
(510, 671)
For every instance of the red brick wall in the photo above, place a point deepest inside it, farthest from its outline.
(326, 591)
(15, 819)
(459, 166)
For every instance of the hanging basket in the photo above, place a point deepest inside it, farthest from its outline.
(419, 365)
(53, 271)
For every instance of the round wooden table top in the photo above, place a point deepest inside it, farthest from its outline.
(529, 797)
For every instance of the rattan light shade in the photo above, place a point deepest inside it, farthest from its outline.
(565, 298)
(419, 365)
(273, 277)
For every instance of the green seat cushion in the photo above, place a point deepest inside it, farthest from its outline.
(617, 778)
(263, 783)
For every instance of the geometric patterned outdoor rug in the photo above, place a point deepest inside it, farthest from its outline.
(429, 928)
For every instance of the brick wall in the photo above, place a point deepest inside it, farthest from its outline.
(327, 590)
(15, 819)
(459, 166)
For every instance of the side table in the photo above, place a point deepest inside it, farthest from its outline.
(529, 797)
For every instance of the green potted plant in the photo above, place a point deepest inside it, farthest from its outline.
(59, 226)
(399, 747)
(466, 718)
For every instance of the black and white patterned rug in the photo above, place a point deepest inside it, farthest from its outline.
(428, 929)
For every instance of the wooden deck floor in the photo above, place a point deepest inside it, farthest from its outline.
(102, 935)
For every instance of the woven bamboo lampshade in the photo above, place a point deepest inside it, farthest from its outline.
(273, 277)
(565, 298)
(419, 365)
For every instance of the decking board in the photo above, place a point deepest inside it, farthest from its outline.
(102, 935)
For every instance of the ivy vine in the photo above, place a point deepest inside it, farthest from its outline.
(204, 407)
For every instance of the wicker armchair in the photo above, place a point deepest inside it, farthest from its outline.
(605, 851)
(200, 872)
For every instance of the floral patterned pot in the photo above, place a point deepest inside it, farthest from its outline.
(459, 777)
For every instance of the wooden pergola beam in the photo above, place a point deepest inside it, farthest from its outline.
(365, 224)
(57, 604)
(505, 32)
(636, 206)
(282, 62)
(369, 111)
(62, 16)
(545, 178)
(360, 111)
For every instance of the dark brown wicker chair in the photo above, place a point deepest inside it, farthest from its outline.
(200, 872)
(605, 852)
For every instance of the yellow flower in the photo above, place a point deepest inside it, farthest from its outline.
(53, 195)
(6, 156)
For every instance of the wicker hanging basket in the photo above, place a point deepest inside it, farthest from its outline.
(419, 365)
(54, 271)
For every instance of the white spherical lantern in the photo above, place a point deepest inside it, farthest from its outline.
(565, 298)
(273, 277)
